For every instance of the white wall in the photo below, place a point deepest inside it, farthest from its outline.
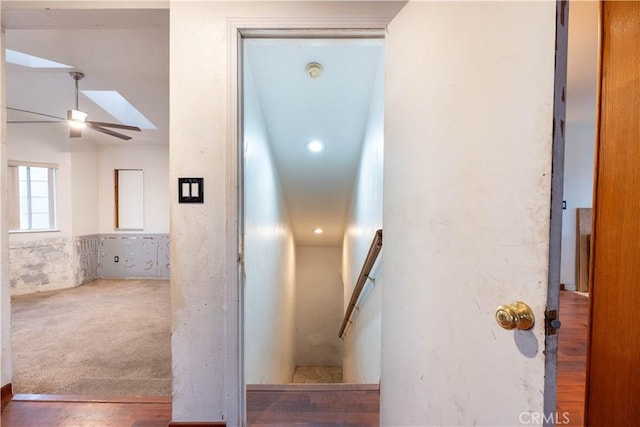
(5, 293)
(44, 261)
(41, 261)
(468, 143)
(582, 58)
(269, 256)
(578, 190)
(318, 306)
(362, 343)
(199, 147)
(154, 161)
(84, 188)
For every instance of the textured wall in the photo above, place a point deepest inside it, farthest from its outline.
(87, 253)
(55, 263)
(5, 298)
(154, 161)
(200, 146)
(469, 97)
(40, 265)
(269, 257)
(318, 306)
(361, 362)
(139, 256)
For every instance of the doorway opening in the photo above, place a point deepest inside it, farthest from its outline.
(312, 162)
(97, 285)
(580, 137)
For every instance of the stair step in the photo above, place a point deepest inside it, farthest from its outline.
(313, 404)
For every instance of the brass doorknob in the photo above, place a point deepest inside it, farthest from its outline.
(517, 315)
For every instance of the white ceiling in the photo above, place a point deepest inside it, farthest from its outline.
(122, 50)
(128, 51)
(333, 108)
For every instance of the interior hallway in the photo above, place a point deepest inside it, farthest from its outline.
(572, 357)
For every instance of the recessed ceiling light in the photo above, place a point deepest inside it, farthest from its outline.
(318, 230)
(315, 146)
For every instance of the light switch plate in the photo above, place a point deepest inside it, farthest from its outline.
(190, 190)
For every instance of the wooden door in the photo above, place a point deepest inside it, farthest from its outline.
(613, 385)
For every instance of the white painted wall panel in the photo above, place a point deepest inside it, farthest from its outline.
(578, 190)
(199, 147)
(154, 162)
(43, 261)
(468, 143)
(5, 297)
(362, 341)
(42, 264)
(84, 187)
(85, 200)
(582, 58)
(318, 306)
(270, 258)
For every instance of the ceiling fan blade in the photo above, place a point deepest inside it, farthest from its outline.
(92, 125)
(34, 121)
(74, 132)
(33, 112)
(115, 125)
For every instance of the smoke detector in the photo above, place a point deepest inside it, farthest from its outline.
(313, 70)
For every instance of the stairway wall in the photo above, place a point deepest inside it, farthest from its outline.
(318, 306)
(362, 343)
(269, 257)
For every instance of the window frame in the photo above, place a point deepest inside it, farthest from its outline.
(52, 182)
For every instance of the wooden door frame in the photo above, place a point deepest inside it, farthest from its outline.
(602, 149)
(592, 239)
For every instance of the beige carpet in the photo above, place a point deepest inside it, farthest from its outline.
(317, 374)
(106, 338)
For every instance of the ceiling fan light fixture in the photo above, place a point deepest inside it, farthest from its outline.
(77, 118)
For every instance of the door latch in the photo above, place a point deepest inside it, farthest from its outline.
(552, 323)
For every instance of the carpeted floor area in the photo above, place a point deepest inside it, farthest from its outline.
(317, 374)
(105, 338)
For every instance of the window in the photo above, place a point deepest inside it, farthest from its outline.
(32, 195)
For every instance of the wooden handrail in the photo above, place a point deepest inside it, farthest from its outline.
(374, 250)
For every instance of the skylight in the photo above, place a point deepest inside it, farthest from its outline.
(19, 58)
(115, 104)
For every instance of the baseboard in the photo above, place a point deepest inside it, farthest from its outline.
(89, 399)
(6, 393)
(197, 424)
(307, 387)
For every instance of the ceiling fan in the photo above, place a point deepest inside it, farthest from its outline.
(77, 119)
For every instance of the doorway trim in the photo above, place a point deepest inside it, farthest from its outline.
(238, 29)
(555, 225)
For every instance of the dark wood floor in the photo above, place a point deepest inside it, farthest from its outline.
(327, 405)
(79, 411)
(572, 357)
(277, 405)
